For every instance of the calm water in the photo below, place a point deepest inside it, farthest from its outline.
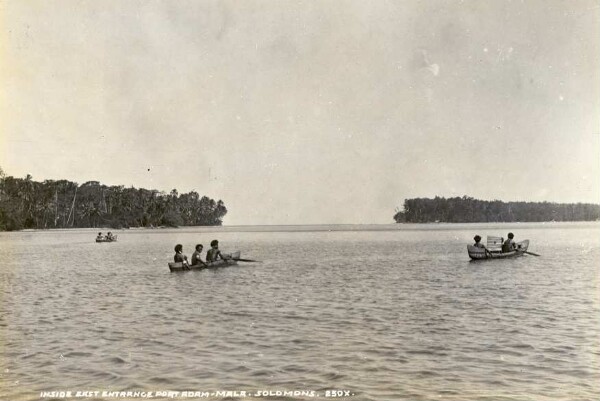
(385, 312)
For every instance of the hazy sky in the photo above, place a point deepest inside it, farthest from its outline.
(298, 112)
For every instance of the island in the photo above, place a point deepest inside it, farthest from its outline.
(29, 204)
(470, 210)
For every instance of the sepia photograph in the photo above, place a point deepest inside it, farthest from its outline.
(291, 200)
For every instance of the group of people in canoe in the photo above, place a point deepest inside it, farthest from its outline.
(109, 237)
(212, 255)
(508, 245)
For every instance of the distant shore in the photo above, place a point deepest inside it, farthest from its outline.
(29, 204)
(290, 228)
(470, 210)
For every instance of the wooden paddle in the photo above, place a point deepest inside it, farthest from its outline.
(245, 260)
(531, 253)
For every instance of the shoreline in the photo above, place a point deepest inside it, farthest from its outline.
(316, 227)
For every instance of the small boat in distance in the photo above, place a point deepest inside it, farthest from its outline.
(106, 239)
(230, 261)
(494, 247)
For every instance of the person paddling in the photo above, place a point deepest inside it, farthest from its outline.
(509, 245)
(213, 253)
(99, 237)
(197, 256)
(478, 244)
(179, 257)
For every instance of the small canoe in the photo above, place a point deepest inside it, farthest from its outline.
(104, 239)
(180, 267)
(476, 253)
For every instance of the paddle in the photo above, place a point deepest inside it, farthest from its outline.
(531, 253)
(245, 260)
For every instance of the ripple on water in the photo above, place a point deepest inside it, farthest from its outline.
(161, 380)
(104, 375)
(115, 360)
(74, 354)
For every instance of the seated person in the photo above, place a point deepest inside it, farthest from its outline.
(478, 244)
(509, 245)
(109, 236)
(213, 253)
(197, 256)
(179, 256)
(99, 236)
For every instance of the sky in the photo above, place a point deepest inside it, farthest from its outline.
(306, 112)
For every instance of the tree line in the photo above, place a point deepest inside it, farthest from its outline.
(470, 210)
(25, 204)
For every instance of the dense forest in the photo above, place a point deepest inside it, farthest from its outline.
(25, 203)
(470, 210)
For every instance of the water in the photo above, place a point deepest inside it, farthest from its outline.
(385, 312)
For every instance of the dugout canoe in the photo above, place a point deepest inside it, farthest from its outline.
(104, 239)
(179, 266)
(476, 253)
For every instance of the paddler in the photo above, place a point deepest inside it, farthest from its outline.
(100, 237)
(179, 256)
(509, 245)
(213, 253)
(197, 256)
(478, 244)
